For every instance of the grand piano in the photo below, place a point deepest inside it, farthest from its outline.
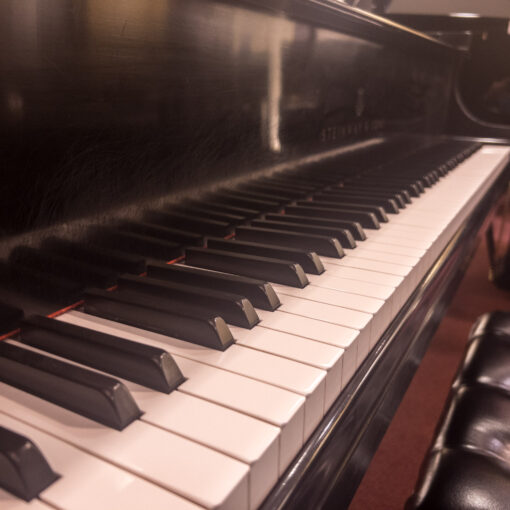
(229, 230)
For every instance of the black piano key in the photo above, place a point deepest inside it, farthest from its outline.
(415, 183)
(198, 224)
(259, 195)
(391, 191)
(365, 219)
(273, 270)
(223, 208)
(353, 227)
(435, 175)
(392, 200)
(234, 308)
(402, 198)
(322, 245)
(389, 205)
(344, 236)
(287, 183)
(127, 308)
(75, 270)
(314, 176)
(274, 189)
(144, 245)
(10, 317)
(164, 233)
(24, 472)
(238, 200)
(308, 260)
(40, 284)
(297, 181)
(260, 293)
(231, 219)
(404, 176)
(143, 364)
(428, 179)
(378, 212)
(116, 260)
(444, 169)
(96, 396)
(413, 187)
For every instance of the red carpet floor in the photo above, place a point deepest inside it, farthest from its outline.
(392, 474)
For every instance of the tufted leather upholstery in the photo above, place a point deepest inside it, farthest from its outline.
(494, 322)
(461, 480)
(477, 419)
(487, 362)
(468, 464)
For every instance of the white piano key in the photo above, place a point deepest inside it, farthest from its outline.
(343, 316)
(86, 481)
(364, 278)
(282, 408)
(393, 255)
(363, 288)
(230, 390)
(318, 354)
(362, 275)
(10, 502)
(287, 374)
(416, 221)
(333, 297)
(321, 331)
(380, 310)
(395, 239)
(395, 296)
(419, 219)
(251, 441)
(390, 248)
(372, 265)
(354, 319)
(414, 232)
(192, 471)
(266, 402)
(373, 254)
(213, 426)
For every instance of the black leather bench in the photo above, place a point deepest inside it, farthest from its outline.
(468, 464)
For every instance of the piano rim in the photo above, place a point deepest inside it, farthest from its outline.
(331, 464)
(345, 18)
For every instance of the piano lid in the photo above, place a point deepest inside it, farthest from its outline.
(109, 105)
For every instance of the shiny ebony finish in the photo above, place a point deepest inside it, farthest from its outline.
(481, 102)
(106, 107)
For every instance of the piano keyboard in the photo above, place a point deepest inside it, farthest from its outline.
(262, 332)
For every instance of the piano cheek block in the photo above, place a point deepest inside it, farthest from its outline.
(24, 471)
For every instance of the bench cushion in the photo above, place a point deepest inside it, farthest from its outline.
(487, 361)
(477, 418)
(461, 480)
(494, 322)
